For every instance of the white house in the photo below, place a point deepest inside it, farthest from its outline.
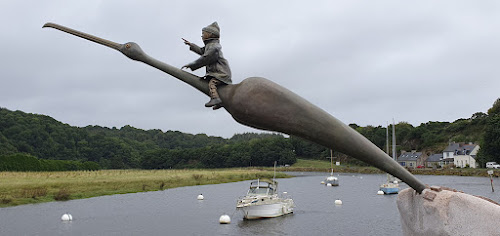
(464, 155)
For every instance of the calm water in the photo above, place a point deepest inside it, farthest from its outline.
(177, 212)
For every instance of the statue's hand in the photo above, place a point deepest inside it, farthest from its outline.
(186, 42)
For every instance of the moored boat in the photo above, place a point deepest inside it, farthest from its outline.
(391, 186)
(262, 201)
(331, 180)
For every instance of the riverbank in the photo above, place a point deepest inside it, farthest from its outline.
(304, 165)
(17, 188)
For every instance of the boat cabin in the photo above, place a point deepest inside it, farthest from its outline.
(262, 187)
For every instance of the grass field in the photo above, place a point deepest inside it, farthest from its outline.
(18, 188)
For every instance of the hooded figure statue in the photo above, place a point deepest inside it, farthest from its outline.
(217, 67)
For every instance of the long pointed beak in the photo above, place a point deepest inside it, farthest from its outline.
(86, 36)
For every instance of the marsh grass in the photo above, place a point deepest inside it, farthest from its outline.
(5, 200)
(34, 192)
(18, 188)
(62, 195)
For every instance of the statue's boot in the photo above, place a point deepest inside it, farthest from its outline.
(214, 102)
(214, 96)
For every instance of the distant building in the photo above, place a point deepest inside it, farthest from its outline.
(412, 159)
(448, 162)
(436, 160)
(464, 155)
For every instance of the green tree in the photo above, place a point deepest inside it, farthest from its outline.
(490, 144)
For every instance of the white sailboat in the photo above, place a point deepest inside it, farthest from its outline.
(391, 186)
(262, 200)
(331, 180)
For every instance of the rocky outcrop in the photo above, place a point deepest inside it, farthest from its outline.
(443, 211)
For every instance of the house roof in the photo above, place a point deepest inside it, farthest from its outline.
(460, 148)
(409, 156)
(435, 157)
(451, 147)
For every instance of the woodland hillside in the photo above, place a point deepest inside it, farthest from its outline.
(43, 138)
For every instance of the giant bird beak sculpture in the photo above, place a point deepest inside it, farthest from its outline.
(262, 104)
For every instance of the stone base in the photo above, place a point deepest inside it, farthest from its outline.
(443, 211)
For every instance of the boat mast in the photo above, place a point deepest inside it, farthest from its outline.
(387, 138)
(331, 160)
(387, 147)
(274, 176)
(393, 140)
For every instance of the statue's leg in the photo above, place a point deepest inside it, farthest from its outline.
(214, 96)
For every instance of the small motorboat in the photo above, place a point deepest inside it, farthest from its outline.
(391, 186)
(262, 201)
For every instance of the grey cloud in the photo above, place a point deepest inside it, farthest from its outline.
(363, 62)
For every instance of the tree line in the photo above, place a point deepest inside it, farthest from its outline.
(45, 138)
(26, 162)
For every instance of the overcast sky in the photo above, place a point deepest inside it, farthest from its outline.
(364, 62)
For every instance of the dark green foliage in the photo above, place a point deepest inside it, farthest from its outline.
(26, 162)
(309, 150)
(249, 136)
(256, 152)
(490, 148)
(495, 109)
(19, 162)
(128, 147)
(375, 134)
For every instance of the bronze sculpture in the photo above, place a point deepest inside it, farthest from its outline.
(274, 108)
(217, 67)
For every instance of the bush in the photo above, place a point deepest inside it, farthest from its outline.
(19, 162)
(26, 162)
(62, 195)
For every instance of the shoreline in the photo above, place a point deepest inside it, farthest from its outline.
(478, 172)
(20, 188)
(325, 166)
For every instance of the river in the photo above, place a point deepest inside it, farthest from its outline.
(178, 212)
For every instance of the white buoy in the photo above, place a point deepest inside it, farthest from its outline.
(322, 182)
(224, 219)
(338, 202)
(67, 217)
(329, 184)
(200, 197)
(285, 192)
(380, 192)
